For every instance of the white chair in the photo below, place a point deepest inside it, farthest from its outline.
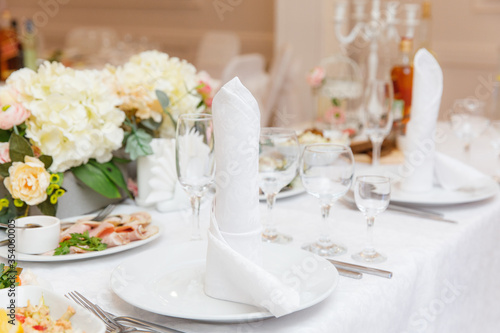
(215, 51)
(251, 70)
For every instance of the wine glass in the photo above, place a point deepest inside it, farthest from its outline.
(195, 160)
(326, 171)
(377, 105)
(495, 143)
(278, 162)
(372, 195)
(468, 120)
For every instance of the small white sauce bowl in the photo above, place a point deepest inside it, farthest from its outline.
(37, 240)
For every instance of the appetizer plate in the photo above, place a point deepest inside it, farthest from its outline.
(82, 320)
(175, 287)
(79, 256)
(294, 190)
(440, 197)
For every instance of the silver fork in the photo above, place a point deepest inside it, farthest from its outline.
(111, 325)
(98, 218)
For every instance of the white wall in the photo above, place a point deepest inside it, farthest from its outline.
(466, 40)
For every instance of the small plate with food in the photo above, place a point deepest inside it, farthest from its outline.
(34, 309)
(87, 239)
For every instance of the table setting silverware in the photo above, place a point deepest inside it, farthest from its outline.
(420, 212)
(360, 269)
(119, 324)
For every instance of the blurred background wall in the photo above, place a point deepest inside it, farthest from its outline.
(465, 34)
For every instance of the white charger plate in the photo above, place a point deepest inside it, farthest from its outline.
(440, 197)
(173, 285)
(79, 256)
(81, 321)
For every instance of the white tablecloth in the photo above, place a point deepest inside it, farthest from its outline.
(446, 276)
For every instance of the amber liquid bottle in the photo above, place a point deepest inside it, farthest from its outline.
(10, 47)
(402, 80)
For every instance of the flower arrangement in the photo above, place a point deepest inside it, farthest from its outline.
(337, 95)
(155, 89)
(58, 119)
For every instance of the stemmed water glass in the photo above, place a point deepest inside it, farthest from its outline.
(495, 143)
(468, 120)
(326, 171)
(278, 161)
(195, 160)
(377, 115)
(372, 195)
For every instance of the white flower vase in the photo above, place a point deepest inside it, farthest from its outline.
(157, 179)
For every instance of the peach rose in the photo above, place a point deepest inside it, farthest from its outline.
(12, 112)
(316, 77)
(15, 115)
(28, 181)
(4, 153)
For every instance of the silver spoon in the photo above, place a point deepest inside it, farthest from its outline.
(26, 226)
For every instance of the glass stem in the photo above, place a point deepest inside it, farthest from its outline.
(195, 207)
(377, 146)
(369, 248)
(269, 228)
(324, 239)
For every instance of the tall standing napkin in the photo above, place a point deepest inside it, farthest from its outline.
(419, 144)
(234, 255)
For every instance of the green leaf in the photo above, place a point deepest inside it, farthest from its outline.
(4, 136)
(165, 102)
(120, 160)
(47, 160)
(97, 180)
(162, 98)
(113, 173)
(18, 148)
(47, 208)
(4, 169)
(150, 124)
(138, 144)
(336, 102)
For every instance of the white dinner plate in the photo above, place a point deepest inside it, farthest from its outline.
(439, 196)
(173, 286)
(81, 321)
(79, 256)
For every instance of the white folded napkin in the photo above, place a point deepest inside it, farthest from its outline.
(234, 256)
(451, 174)
(157, 178)
(419, 144)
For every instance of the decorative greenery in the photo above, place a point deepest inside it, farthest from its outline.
(81, 241)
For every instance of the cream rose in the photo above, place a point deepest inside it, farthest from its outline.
(28, 181)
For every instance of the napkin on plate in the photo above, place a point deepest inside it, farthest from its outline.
(424, 167)
(234, 269)
(419, 144)
(157, 178)
(453, 175)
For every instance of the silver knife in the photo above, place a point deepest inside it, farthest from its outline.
(407, 210)
(361, 269)
(348, 273)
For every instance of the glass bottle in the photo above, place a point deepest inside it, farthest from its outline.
(29, 45)
(402, 80)
(425, 27)
(10, 47)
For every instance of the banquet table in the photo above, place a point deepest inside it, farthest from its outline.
(446, 277)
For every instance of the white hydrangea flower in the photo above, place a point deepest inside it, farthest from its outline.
(137, 80)
(74, 114)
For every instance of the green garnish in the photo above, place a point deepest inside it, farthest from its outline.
(7, 273)
(82, 241)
